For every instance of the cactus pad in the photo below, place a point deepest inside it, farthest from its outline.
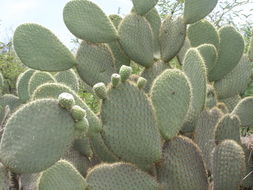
(181, 155)
(229, 53)
(228, 165)
(42, 131)
(136, 38)
(143, 6)
(171, 96)
(172, 36)
(62, 175)
(203, 32)
(231, 102)
(68, 78)
(244, 111)
(38, 48)
(120, 176)
(236, 81)
(22, 85)
(195, 10)
(228, 128)
(87, 21)
(136, 130)
(95, 63)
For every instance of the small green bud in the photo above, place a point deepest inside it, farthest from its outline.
(100, 90)
(141, 82)
(115, 80)
(77, 113)
(66, 100)
(82, 125)
(125, 72)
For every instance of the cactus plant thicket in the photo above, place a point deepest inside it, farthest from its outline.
(166, 129)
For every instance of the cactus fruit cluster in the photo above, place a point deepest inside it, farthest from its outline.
(165, 129)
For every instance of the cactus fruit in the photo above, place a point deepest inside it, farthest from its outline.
(77, 113)
(125, 72)
(141, 82)
(115, 80)
(66, 100)
(100, 90)
(33, 40)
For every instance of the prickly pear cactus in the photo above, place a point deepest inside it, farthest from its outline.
(177, 124)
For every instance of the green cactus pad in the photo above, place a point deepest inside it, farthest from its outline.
(228, 165)
(12, 101)
(154, 20)
(231, 102)
(79, 161)
(209, 55)
(95, 63)
(182, 167)
(87, 21)
(38, 78)
(100, 150)
(143, 6)
(172, 37)
(229, 53)
(136, 38)
(228, 128)
(195, 10)
(136, 130)
(4, 180)
(54, 90)
(62, 176)
(125, 72)
(22, 85)
(250, 53)
(120, 176)
(195, 69)
(119, 55)
(247, 147)
(204, 135)
(203, 32)
(82, 145)
(42, 131)
(181, 54)
(152, 72)
(116, 19)
(68, 78)
(38, 48)
(244, 111)
(211, 97)
(236, 81)
(171, 96)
